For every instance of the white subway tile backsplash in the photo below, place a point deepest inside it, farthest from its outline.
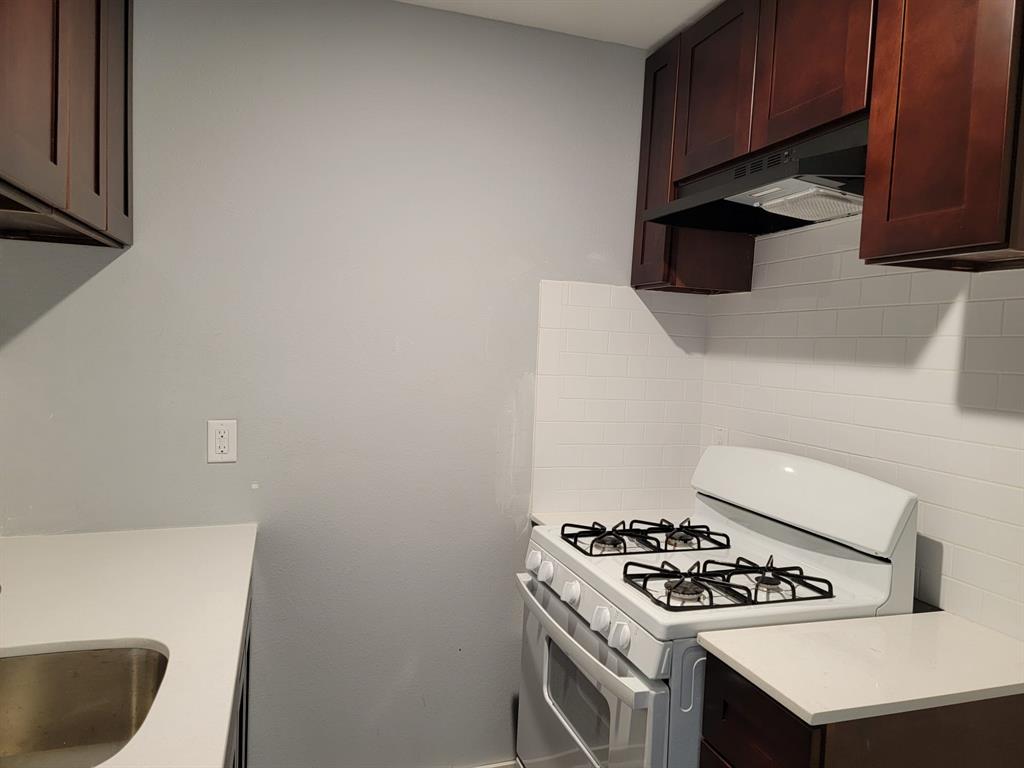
(586, 341)
(629, 343)
(933, 286)
(589, 294)
(915, 377)
(859, 322)
(552, 299)
(885, 290)
(817, 323)
(607, 365)
(910, 321)
(842, 293)
(997, 285)
(618, 398)
(609, 319)
(983, 318)
(1013, 318)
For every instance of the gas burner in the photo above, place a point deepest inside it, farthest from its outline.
(767, 580)
(685, 588)
(685, 535)
(770, 583)
(608, 544)
(679, 540)
(595, 540)
(690, 590)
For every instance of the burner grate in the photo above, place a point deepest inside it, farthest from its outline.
(690, 590)
(769, 579)
(595, 540)
(717, 584)
(641, 537)
(685, 536)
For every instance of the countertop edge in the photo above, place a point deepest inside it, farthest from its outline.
(838, 715)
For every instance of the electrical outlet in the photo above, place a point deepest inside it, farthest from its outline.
(221, 441)
(719, 436)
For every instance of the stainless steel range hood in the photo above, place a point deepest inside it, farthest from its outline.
(817, 178)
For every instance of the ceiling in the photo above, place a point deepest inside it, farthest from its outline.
(639, 23)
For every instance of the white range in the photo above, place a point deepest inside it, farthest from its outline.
(612, 674)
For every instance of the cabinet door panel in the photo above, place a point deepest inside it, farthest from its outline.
(940, 137)
(33, 99)
(749, 729)
(716, 79)
(119, 120)
(650, 241)
(87, 152)
(812, 65)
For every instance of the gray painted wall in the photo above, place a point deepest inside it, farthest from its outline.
(343, 211)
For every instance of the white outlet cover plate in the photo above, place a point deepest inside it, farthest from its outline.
(221, 441)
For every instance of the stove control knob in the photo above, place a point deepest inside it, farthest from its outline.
(571, 592)
(533, 560)
(602, 618)
(618, 638)
(546, 572)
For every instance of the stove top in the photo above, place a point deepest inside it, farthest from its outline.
(718, 584)
(642, 537)
(817, 579)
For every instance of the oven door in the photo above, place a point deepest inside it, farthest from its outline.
(581, 705)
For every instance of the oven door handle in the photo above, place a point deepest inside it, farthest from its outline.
(630, 690)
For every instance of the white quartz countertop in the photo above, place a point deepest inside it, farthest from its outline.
(831, 671)
(183, 591)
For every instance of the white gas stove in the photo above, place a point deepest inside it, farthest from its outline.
(612, 673)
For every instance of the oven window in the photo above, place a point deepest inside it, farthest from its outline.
(580, 702)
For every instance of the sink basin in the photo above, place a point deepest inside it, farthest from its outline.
(74, 709)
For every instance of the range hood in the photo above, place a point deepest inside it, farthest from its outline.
(817, 178)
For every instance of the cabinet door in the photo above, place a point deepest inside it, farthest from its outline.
(716, 81)
(812, 65)
(86, 45)
(943, 101)
(650, 241)
(33, 99)
(749, 729)
(119, 120)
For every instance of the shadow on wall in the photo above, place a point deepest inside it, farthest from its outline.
(36, 277)
(928, 580)
(891, 342)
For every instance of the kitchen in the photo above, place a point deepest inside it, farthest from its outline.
(408, 364)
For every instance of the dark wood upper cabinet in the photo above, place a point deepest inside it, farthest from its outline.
(716, 81)
(813, 59)
(941, 188)
(33, 99)
(65, 120)
(672, 258)
(650, 241)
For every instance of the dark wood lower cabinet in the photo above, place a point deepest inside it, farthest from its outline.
(709, 758)
(743, 727)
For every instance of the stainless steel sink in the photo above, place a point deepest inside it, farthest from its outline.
(74, 709)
